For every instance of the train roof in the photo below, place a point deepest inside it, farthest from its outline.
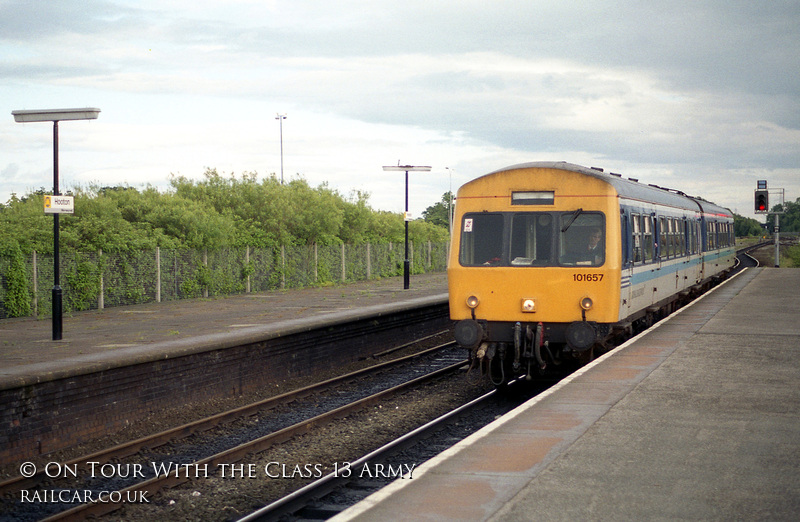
(631, 188)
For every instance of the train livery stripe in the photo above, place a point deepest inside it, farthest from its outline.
(648, 273)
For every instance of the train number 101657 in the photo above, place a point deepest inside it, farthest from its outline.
(593, 278)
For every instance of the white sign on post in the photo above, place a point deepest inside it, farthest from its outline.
(59, 205)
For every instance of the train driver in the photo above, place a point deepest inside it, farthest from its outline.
(593, 253)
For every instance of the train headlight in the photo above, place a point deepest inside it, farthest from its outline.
(587, 303)
(528, 305)
(472, 302)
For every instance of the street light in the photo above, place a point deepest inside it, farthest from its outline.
(406, 217)
(280, 118)
(56, 115)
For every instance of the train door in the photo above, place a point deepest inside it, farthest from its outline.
(660, 234)
(703, 247)
(628, 231)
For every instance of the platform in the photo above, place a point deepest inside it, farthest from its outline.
(117, 367)
(696, 419)
(101, 339)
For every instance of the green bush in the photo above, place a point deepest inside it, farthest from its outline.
(17, 295)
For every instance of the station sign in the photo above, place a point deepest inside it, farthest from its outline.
(59, 204)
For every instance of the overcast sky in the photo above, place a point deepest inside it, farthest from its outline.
(701, 96)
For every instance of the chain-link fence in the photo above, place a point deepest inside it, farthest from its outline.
(98, 280)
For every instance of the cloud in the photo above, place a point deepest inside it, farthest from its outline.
(685, 90)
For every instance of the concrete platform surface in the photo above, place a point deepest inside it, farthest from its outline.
(697, 419)
(120, 335)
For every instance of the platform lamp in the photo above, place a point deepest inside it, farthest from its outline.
(280, 118)
(56, 115)
(406, 217)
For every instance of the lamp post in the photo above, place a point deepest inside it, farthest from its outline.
(280, 118)
(406, 217)
(450, 204)
(56, 115)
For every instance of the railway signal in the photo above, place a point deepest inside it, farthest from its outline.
(762, 207)
(762, 201)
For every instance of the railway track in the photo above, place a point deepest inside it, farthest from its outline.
(124, 457)
(340, 489)
(327, 496)
(745, 260)
(123, 469)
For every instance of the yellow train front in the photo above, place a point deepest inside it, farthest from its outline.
(549, 260)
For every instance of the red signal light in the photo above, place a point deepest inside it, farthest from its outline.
(762, 201)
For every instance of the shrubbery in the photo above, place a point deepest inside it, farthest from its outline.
(216, 212)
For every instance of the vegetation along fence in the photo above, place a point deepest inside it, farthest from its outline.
(98, 280)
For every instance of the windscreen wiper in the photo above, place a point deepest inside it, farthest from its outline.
(571, 220)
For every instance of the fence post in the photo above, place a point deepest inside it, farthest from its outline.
(247, 264)
(429, 255)
(369, 262)
(344, 267)
(316, 263)
(283, 267)
(101, 303)
(205, 263)
(175, 273)
(35, 286)
(158, 274)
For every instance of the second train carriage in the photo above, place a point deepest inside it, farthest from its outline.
(548, 260)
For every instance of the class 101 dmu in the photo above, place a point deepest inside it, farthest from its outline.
(550, 261)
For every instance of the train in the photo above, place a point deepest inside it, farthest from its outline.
(551, 262)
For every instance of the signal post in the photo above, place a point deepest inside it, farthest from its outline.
(761, 201)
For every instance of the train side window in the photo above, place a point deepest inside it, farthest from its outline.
(582, 240)
(677, 238)
(676, 241)
(481, 240)
(670, 237)
(696, 237)
(637, 238)
(647, 238)
(710, 236)
(684, 237)
(663, 234)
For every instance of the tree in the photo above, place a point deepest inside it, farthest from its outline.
(217, 211)
(789, 220)
(437, 214)
(743, 226)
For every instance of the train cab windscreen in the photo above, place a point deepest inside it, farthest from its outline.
(582, 239)
(482, 240)
(533, 239)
